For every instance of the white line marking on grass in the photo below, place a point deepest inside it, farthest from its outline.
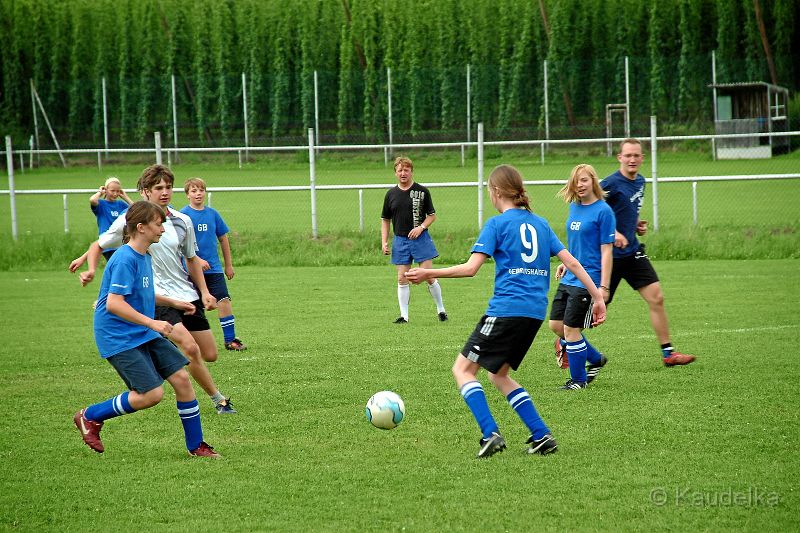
(706, 332)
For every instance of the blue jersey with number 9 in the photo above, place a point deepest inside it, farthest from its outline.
(521, 244)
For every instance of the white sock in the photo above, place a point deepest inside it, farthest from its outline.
(436, 292)
(217, 398)
(403, 296)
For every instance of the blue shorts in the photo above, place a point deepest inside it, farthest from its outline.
(217, 286)
(145, 367)
(406, 251)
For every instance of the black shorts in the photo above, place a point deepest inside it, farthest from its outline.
(573, 306)
(217, 286)
(636, 269)
(195, 322)
(500, 340)
(145, 367)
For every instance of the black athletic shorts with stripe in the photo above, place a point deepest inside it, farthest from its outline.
(500, 340)
(197, 321)
(573, 306)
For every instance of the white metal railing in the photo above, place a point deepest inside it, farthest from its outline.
(313, 149)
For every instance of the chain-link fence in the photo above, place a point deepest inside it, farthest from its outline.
(264, 191)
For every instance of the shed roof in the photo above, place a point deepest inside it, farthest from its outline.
(749, 85)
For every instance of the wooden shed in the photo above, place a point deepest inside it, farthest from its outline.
(750, 107)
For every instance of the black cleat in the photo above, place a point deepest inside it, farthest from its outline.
(573, 385)
(495, 443)
(543, 446)
(442, 317)
(593, 370)
(400, 320)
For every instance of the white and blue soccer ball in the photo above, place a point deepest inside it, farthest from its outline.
(385, 410)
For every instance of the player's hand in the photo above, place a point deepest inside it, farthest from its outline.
(416, 232)
(229, 273)
(86, 277)
(641, 227)
(417, 275)
(598, 312)
(102, 189)
(187, 307)
(77, 263)
(385, 249)
(620, 241)
(162, 327)
(204, 265)
(209, 302)
(560, 271)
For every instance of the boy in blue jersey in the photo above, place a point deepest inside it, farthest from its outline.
(625, 195)
(590, 238)
(130, 339)
(521, 244)
(209, 227)
(109, 202)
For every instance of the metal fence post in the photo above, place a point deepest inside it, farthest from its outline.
(389, 107)
(157, 136)
(694, 203)
(469, 106)
(361, 210)
(316, 109)
(66, 214)
(546, 110)
(11, 192)
(244, 114)
(480, 175)
(654, 169)
(105, 117)
(174, 119)
(312, 170)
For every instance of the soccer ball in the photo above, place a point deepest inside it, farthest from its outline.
(385, 410)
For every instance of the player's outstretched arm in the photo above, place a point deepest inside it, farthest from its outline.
(92, 255)
(464, 270)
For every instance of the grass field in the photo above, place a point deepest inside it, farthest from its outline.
(711, 446)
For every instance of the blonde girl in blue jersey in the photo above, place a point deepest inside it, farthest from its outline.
(521, 244)
(590, 239)
(109, 202)
(130, 339)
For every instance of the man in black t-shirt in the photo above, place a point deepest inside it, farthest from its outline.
(409, 209)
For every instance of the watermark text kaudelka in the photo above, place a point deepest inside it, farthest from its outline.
(730, 497)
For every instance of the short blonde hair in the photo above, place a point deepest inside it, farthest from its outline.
(194, 182)
(112, 179)
(404, 161)
(629, 140)
(569, 192)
